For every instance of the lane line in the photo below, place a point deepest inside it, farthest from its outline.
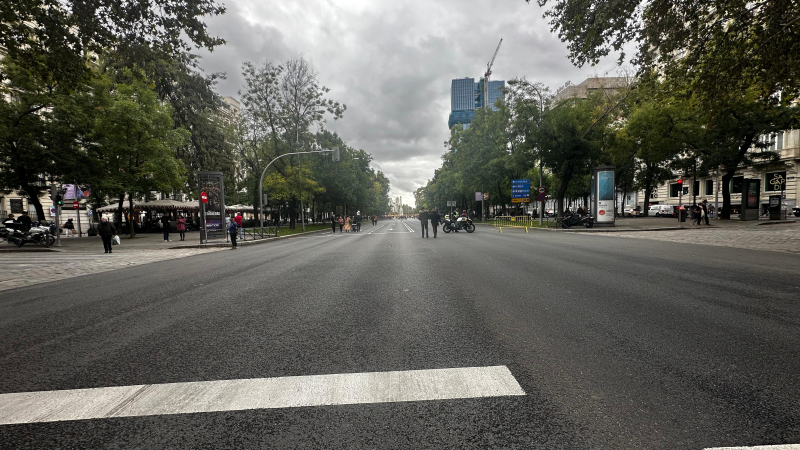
(258, 393)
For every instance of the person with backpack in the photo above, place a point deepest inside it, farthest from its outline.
(233, 230)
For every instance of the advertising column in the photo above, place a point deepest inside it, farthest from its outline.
(603, 195)
(212, 205)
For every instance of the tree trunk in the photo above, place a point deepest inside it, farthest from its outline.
(33, 197)
(292, 213)
(119, 211)
(130, 214)
(730, 171)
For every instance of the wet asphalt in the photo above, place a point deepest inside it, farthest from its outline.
(618, 343)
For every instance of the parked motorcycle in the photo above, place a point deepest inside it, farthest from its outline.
(462, 223)
(572, 219)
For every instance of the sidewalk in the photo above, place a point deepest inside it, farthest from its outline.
(626, 224)
(142, 242)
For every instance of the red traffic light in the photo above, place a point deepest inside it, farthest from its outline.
(203, 197)
(680, 181)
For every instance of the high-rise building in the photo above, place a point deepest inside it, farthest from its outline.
(466, 96)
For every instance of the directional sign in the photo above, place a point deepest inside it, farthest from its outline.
(520, 200)
(520, 181)
(520, 196)
(541, 189)
(520, 191)
(541, 197)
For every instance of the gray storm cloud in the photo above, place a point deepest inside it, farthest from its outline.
(392, 62)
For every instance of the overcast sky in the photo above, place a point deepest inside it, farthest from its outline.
(391, 63)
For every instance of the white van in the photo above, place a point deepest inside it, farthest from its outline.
(661, 210)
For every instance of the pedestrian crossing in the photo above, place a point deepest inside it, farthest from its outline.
(27, 269)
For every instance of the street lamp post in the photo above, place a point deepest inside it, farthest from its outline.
(334, 150)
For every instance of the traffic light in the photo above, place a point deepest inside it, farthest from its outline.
(59, 200)
(53, 193)
(335, 156)
(680, 182)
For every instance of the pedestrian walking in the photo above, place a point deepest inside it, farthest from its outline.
(165, 225)
(434, 218)
(181, 226)
(423, 219)
(69, 228)
(696, 215)
(333, 223)
(358, 220)
(704, 205)
(107, 231)
(233, 230)
(239, 222)
(348, 224)
(374, 220)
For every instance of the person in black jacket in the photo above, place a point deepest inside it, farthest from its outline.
(25, 221)
(423, 219)
(107, 231)
(435, 218)
(165, 225)
(358, 221)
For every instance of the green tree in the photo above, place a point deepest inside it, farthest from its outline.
(135, 141)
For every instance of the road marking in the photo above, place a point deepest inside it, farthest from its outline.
(761, 447)
(257, 393)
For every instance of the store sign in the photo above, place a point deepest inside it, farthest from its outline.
(776, 181)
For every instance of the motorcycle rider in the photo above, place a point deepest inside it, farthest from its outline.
(25, 222)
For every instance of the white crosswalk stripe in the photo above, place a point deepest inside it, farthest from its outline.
(258, 393)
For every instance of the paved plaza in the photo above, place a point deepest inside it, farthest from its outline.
(776, 238)
(19, 269)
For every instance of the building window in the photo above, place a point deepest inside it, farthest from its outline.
(696, 187)
(780, 141)
(709, 187)
(737, 184)
(674, 190)
(775, 181)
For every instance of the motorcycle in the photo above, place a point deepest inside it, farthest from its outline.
(37, 235)
(462, 223)
(572, 219)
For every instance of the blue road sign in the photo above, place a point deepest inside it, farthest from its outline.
(541, 197)
(520, 196)
(520, 191)
(520, 181)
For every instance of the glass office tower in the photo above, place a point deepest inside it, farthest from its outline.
(466, 96)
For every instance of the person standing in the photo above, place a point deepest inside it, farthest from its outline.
(165, 225)
(359, 219)
(340, 221)
(423, 219)
(69, 227)
(233, 230)
(434, 218)
(239, 221)
(25, 221)
(348, 224)
(181, 226)
(704, 205)
(696, 214)
(333, 223)
(107, 231)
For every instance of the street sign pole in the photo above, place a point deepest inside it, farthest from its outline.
(58, 226)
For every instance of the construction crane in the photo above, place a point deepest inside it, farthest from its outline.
(487, 75)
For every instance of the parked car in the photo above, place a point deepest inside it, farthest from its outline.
(662, 211)
(632, 212)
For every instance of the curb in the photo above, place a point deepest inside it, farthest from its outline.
(246, 243)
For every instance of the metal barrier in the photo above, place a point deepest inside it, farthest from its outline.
(259, 233)
(526, 222)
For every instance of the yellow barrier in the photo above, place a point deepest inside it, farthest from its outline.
(501, 222)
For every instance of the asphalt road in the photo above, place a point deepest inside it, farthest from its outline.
(617, 343)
